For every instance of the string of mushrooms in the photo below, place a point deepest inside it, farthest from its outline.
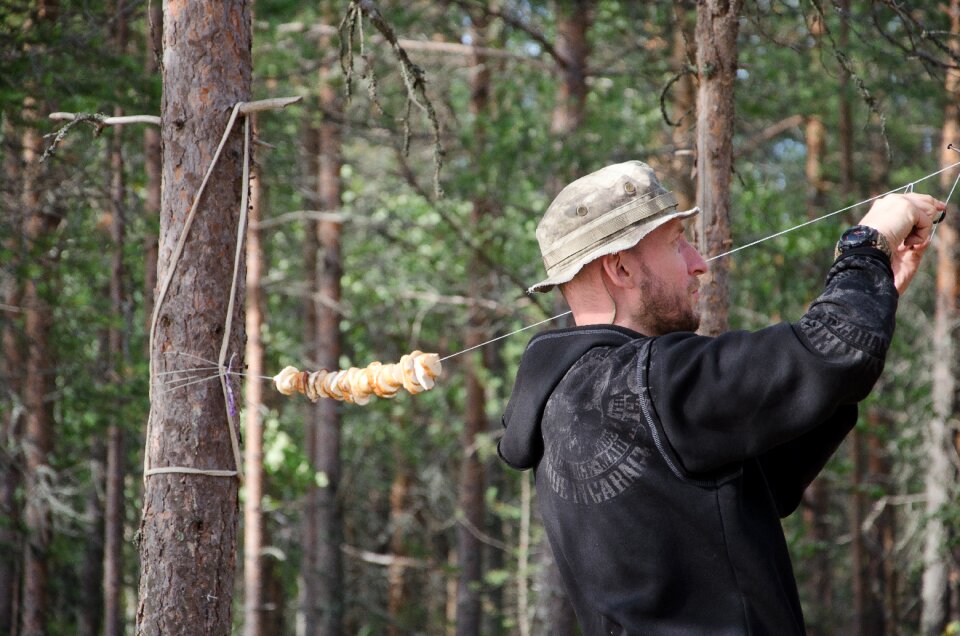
(415, 372)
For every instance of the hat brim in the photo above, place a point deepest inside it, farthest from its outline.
(630, 237)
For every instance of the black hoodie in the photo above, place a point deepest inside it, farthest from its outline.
(663, 464)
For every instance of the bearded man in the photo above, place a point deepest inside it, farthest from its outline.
(664, 460)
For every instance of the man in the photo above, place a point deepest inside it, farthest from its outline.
(664, 459)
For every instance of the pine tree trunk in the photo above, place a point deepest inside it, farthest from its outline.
(815, 135)
(882, 614)
(716, 35)
(254, 583)
(940, 474)
(117, 347)
(845, 127)
(324, 597)
(89, 610)
(308, 613)
(396, 590)
(470, 502)
(819, 588)
(152, 168)
(11, 363)
(573, 49)
(189, 523)
(573, 21)
(684, 95)
(857, 552)
(38, 433)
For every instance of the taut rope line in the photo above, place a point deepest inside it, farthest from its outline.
(908, 187)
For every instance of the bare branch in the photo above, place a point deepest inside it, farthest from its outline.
(101, 120)
(413, 76)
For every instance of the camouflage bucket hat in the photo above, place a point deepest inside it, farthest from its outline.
(605, 212)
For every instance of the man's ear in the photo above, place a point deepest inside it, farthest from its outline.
(615, 269)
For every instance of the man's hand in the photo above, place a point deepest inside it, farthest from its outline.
(906, 220)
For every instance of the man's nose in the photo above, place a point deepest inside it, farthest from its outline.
(696, 266)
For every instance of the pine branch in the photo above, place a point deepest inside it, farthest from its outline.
(414, 79)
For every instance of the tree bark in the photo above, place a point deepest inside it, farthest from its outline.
(573, 21)
(38, 434)
(882, 613)
(470, 502)
(940, 478)
(254, 579)
(857, 552)
(845, 127)
(11, 363)
(117, 346)
(396, 590)
(815, 134)
(684, 95)
(572, 51)
(189, 523)
(325, 600)
(819, 588)
(716, 36)
(90, 609)
(152, 168)
(819, 584)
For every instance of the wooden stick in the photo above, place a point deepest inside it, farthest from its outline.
(273, 103)
(108, 121)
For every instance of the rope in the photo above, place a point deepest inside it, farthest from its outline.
(161, 295)
(228, 323)
(908, 187)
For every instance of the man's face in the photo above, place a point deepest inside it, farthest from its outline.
(669, 281)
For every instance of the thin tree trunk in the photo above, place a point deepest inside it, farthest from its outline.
(940, 479)
(815, 135)
(396, 590)
(684, 95)
(857, 551)
(309, 614)
(38, 434)
(11, 364)
(523, 557)
(819, 588)
(253, 527)
(573, 21)
(90, 609)
(470, 503)
(152, 168)
(716, 35)
(845, 131)
(326, 597)
(882, 613)
(573, 49)
(189, 524)
(117, 346)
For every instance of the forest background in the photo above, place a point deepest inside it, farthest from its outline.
(397, 517)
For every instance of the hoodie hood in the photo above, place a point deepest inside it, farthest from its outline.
(548, 357)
